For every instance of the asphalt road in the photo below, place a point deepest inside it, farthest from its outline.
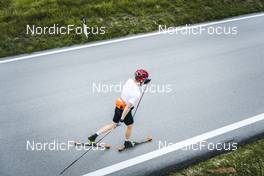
(213, 81)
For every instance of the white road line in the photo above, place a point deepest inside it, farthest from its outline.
(125, 39)
(176, 146)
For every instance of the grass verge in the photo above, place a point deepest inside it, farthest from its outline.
(248, 160)
(120, 17)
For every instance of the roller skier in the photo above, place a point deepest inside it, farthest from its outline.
(130, 97)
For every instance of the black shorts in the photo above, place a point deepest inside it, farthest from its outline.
(128, 119)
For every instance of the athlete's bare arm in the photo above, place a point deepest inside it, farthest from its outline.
(126, 110)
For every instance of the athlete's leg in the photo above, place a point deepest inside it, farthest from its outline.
(102, 130)
(129, 132)
(106, 128)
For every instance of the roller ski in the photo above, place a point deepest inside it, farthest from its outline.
(132, 144)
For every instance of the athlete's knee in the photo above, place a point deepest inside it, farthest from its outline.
(130, 127)
(114, 125)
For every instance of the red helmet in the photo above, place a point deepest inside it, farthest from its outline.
(141, 75)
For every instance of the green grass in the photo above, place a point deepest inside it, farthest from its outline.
(120, 17)
(248, 160)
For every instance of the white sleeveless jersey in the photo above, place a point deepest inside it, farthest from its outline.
(131, 92)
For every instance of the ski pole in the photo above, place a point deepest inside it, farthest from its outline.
(146, 82)
(84, 153)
